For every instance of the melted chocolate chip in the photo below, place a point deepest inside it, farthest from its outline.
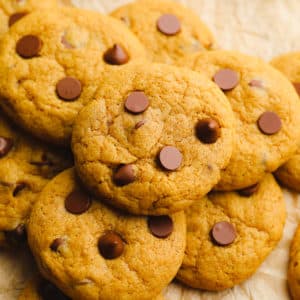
(170, 158)
(226, 79)
(56, 244)
(223, 233)
(29, 46)
(269, 123)
(168, 24)
(111, 245)
(208, 131)
(124, 175)
(160, 226)
(116, 55)
(68, 89)
(137, 102)
(16, 17)
(78, 202)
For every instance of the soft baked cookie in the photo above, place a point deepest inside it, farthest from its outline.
(50, 64)
(294, 266)
(266, 108)
(25, 167)
(155, 138)
(91, 251)
(230, 234)
(168, 30)
(289, 173)
(13, 10)
(41, 289)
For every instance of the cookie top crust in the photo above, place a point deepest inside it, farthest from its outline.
(50, 63)
(266, 108)
(168, 29)
(154, 139)
(102, 253)
(230, 234)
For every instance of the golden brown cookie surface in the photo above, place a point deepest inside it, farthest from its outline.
(50, 61)
(168, 30)
(230, 235)
(266, 108)
(91, 251)
(155, 138)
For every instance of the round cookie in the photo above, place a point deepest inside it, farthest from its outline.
(294, 266)
(25, 167)
(229, 235)
(50, 63)
(168, 30)
(154, 140)
(91, 251)
(266, 108)
(13, 10)
(289, 173)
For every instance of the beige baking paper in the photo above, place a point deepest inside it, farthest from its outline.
(259, 27)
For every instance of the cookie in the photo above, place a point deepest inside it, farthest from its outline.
(266, 108)
(289, 173)
(168, 30)
(41, 289)
(154, 140)
(12, 11)
(230, 234)
(26, 166)
(294, 267)
(50, 63)
(91, 251)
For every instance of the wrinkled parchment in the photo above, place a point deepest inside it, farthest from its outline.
(259, 27)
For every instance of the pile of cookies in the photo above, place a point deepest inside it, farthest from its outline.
(133, 151)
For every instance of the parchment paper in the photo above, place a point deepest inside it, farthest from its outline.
(259, 27)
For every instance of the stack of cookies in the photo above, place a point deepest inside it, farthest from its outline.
(133, 152)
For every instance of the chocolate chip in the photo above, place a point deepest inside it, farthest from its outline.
(249, 191)
(208, 131)
(160, 226)
(111, 245)
(16, 17)
(48, 291)
(16, 236)
(226, 79)
(256, 83)
(124, 175)
(269, 123)
(140, 124)
(137, 102)
(170, 158)
(29, 46)
(168, 24)
(19, 187)
(56, 244)
(77, 202)
(68, 89)
(223, 233)
(5, 145)
(297, 87)
(116, 55)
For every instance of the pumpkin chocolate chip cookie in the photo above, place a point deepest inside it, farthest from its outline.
(154, 140)
(289, 173)
(50, 63)
(91, 251)
(294, 267)
(25, 167)
(267, 110)
(168, 30)
(230, 234)
(12, 11)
